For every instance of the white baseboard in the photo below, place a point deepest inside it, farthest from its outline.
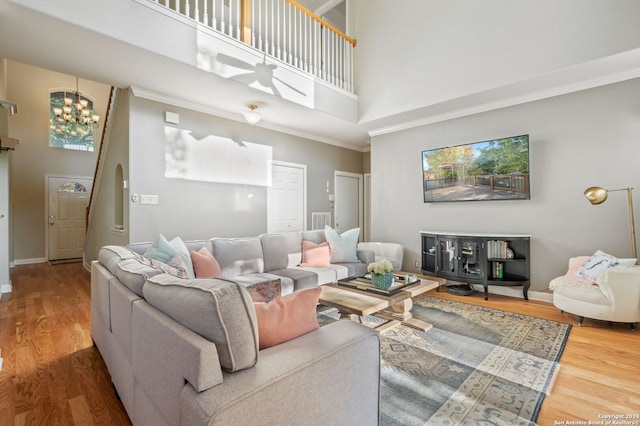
(6, 288)
(540, 296)
(29, 261)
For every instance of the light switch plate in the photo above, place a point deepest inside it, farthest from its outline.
(148, 199)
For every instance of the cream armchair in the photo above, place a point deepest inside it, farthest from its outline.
(392, 252)
(616, 298)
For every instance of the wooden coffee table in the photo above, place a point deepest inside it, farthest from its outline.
(396, 308)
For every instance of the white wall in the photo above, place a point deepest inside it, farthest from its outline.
(579, 140)
(424, 52)
(102, 230)
(199, 209)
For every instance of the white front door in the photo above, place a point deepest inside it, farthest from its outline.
(286, 198)
(348, 201)
(5, 281)
(67, 204)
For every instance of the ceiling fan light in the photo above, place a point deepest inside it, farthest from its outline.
(252, 116)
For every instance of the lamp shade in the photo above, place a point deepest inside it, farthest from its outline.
(252, 116)
(596, 195)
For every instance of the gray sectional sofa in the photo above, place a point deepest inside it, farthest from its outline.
(185, 351)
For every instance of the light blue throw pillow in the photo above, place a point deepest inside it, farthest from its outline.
(342, 247)
(163, 251)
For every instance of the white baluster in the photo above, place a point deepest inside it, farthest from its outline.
(278, 32)
(223, 25)
(316, 51)
(305, 62)
(238, 20)
(260, 45)
(273, 29)
(214, 15)
(205, 12)
(341, 62)
(296, 38)
(267, 19)
(333, 58)
(253, 23)
(290, 60)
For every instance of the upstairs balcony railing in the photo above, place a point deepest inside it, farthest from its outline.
(282, 29)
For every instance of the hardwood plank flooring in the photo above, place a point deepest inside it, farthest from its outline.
(52, 374)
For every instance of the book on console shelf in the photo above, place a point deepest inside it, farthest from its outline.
(497, 249)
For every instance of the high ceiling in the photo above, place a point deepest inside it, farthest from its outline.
(38, 39)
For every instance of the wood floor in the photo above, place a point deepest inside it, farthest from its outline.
(52, 375)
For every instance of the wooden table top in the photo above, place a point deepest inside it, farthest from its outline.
(362, 303)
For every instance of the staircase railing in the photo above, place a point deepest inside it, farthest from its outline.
(283, 29)
(106, 130)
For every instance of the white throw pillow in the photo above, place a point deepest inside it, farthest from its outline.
(342, 247)
(626, 263)
(599, 261)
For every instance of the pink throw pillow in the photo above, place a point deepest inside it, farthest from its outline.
(315, 255)
(204, 264)
(287, 317)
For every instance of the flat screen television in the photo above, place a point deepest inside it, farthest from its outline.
(496, 169)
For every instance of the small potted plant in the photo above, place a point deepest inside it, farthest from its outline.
(381, 274)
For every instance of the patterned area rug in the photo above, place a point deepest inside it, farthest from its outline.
(476, 366)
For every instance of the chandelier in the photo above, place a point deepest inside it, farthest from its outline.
(76, 110)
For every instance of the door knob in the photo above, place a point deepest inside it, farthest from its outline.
(51, 221)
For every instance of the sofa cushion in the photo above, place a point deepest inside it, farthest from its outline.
(133, 273)
(204, 264)
(316, 235)
(342, 246)
(306, 277)
(221, 311)
(195, 245)
(238, 256)
(287, 317)
(164, 250)
(315, 255)
(281, 250)
(110, 256)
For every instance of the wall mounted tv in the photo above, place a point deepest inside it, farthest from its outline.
(489, 170)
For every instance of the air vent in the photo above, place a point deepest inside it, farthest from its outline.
(320, 219)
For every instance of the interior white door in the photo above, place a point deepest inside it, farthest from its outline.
(348, 201)
(286, 198)
(68, 200)
(366, 235)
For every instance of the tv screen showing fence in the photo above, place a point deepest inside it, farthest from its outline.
(496, 169)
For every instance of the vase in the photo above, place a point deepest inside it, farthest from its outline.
(382, 281)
